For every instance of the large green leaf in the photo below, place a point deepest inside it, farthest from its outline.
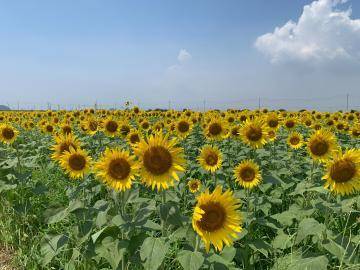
(153, 252)
(191, 260)
(308, 226)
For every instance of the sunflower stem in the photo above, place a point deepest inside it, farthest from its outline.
(16, 146)
(163, 223)
(312, 171)
(214, 178)
(197, 242)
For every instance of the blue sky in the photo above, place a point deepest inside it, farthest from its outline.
(79, 52)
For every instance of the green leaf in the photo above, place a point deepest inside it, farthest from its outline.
(191, 260)
(112, 250)
(261, 246)
(51, 246)
(153, 252)
(308, 226)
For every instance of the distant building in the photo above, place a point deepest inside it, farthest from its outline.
(4, 108)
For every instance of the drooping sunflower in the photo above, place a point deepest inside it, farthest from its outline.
(247, 174)
(210, 158)
(254, 133)
(75, 162)
(295, 140)
(343, 172)
(63, 144)
(321, 145)
(161, 161)
(183, 127)
(216, 218)
(194, 185)
(216, 129)
(117, 169)
(8, 133)
(110, 127)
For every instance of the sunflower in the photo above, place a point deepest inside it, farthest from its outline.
(125, 128)
(321, 144)
(295, 140)
(160, 161)
(290, 122)
(133, 137)
(216, 218)
(343, 172)
(272, 121)
(75, 162)
(63, 144)
(91, 125)
(117, 169)
(210, 158)
(110, 127)
(8, 134)
(247, 174)
(216, 129)
(194, 185)
(66, 128)
(254, 133)
(272, 135)
(48, 128)
(183, 127)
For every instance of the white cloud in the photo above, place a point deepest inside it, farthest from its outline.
(322, 34)
(184, 56)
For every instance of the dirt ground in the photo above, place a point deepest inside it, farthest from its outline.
(5, 259)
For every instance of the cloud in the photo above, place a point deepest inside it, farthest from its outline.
(183, 57)
(323, 34)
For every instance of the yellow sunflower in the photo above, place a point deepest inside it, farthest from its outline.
(8, 134)
(216, 129)
(216, 218)
(133, 137)
(194, 185)
(295, 140)
(290, 122)
(75, 162)
(117, 169)
(183, 127)
(160, 161)
(254, 133)
(63, 144)
(210, 158)
(321, 145)
(91, 125)
(247, 174)
(110, 127)
(272, 121)
(343, 172)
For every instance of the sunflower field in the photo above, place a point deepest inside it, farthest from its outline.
(166, 189)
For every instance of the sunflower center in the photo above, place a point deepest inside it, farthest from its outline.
(145, 125)
(93, 126)
(77, 162)
(235, 132)
(290, 124)
(157, 160)
(8, 133)
(342, 171)
(66, 130)
(119, 168)
(215, 129)
(213, 218)
(212, 159)
(247, 174)
(319, 147)
(111, 126)
(273, 123)
(183, 126)
(134, 138)
(49, 128)
(194, 186)
(254, 134)
(294, 140)
(125, 130)
(66, 147)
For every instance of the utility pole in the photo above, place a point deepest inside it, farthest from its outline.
(347, 102)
